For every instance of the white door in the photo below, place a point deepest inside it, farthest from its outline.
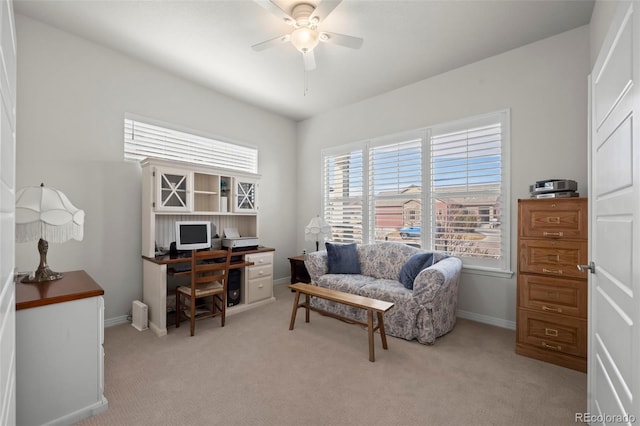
(614, 215)
(7, 208)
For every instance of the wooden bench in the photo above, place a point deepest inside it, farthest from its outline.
(367, 303)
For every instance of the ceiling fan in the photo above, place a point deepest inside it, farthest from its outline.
(305, 19)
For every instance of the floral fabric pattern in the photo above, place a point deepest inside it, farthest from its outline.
(424, 313)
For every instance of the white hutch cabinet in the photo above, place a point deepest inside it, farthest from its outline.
(177, 191)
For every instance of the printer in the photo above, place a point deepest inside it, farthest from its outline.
(233, 239)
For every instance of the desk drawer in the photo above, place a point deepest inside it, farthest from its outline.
(553, 295)
(263, 271)
(259, 289)
(554, 333)
(260, 258)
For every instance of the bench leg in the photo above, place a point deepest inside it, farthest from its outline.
(306, 307)
(383, 336)
(372, 357)
(295, 310)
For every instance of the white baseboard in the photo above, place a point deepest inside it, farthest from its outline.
(485, 319)
(282, 281)
(110, 322)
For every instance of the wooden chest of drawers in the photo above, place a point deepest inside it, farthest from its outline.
(552, 293)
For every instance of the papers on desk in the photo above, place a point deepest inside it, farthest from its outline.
(231, 233)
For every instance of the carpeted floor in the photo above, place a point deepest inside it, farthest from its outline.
(254, 371)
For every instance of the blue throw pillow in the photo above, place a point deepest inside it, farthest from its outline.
(412, 267)
(342, 258)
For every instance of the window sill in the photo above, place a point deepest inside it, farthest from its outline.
(477, 270)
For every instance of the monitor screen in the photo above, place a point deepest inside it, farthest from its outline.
(193, 235)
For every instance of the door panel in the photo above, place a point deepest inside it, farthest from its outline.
(614, 334)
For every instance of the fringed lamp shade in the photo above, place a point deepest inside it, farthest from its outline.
(316, 230)
(47, 215)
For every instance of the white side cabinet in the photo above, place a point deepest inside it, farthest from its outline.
(59, 350)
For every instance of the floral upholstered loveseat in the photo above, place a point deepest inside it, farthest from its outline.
(425, 312)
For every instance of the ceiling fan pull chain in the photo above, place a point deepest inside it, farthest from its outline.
(306, 82)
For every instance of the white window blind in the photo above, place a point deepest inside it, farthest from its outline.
(142, 140)
(343, 195)
(467, 182)
(395, 182)
(440, 188)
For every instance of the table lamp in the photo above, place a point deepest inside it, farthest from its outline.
(316, 230)
(46, 214)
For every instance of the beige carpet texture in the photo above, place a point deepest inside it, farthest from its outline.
(255, 371)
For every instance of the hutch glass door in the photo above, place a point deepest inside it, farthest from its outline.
(245, 196)
(173, 191)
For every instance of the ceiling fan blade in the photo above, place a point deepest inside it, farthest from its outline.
(323, 10)
(342, 40)
(270, 43)
(309, 61)
(275, 9)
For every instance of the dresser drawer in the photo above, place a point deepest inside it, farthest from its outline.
(264, 271)
(260, 258)
(259, 289)
(553, 258)
(553, 218)
(554, 333)
(555, 295)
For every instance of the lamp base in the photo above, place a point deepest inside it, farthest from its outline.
(42, 274)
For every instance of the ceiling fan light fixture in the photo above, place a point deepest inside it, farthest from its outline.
(305, 39)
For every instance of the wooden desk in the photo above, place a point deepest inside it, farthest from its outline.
(155, 271)
(59, 338)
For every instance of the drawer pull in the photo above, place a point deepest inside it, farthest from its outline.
(553, 234)
(554, 347)
(550, 309)
(552, 271)
(551, 332)
(553, 219)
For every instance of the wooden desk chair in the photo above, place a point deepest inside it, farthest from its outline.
(209, 275)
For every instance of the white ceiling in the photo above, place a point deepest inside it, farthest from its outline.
(209, 42)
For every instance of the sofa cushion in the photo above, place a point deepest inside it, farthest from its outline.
(342, 258)
(412, 268)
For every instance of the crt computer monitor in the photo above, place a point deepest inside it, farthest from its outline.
(193, 235)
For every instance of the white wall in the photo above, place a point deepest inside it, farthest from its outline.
(72, 97)
(545, 86)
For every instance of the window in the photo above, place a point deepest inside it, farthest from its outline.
(143, 139)
(441, 188)
(343, 200)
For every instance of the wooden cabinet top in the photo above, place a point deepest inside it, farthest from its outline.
(74, 285)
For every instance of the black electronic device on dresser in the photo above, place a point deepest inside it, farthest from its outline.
(233, 288)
